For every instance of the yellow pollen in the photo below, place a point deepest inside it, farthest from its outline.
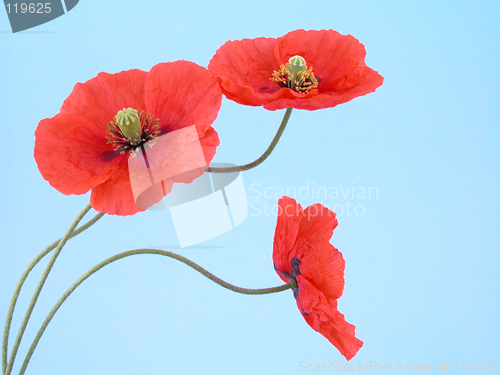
(302, 81)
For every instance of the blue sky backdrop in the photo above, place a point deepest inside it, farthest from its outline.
(422, 251)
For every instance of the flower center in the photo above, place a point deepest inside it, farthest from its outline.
(295, 75)
(130, 129)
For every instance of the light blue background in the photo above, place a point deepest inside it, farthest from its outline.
(422, 262)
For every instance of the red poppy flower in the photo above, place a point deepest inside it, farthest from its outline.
(302, 252)
(303, 69)
(86, 146)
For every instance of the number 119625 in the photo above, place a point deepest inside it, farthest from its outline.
(476, 366)
(28, 8)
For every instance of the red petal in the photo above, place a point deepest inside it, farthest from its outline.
(244, 68)
(100, 98)
(322, 315)
(332, 56)
(337, 60)
(182, 94)
(323, 266)
(114, 196)
(68, 151)
(318, 224)
(209, 144)
(320, 262)
(287, 228)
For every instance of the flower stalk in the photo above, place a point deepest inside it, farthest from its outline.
(39, 287)
(180, 258)
(22, 279)
(264, 156)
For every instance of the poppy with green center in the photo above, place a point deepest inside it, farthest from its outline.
(302, 69)
(87, 145)
(302, 252)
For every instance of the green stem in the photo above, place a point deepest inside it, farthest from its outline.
(20, 283)
(39, 287)
(264, 156)
(204, 272)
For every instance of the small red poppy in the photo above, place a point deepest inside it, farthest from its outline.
(302, 252)
(85, 148)
(302, 69)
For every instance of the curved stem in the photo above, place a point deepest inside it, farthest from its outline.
(264, 156)
(22, 279)
(39, 287)
(204, 272)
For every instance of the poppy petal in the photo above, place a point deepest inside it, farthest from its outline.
(209, 144)
(182, 94)
(68, 151)
(317, 256)
(332, 56)
(114, 196)
(287, 228)
(100, 98)
(322, 315)
(323, 266)
(72, 149)
(244, 68)
(302, 251)
(337, 60)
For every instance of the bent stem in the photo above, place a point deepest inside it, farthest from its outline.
(204, 272)
(22, 279)
(39, 287)
(264, 156)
